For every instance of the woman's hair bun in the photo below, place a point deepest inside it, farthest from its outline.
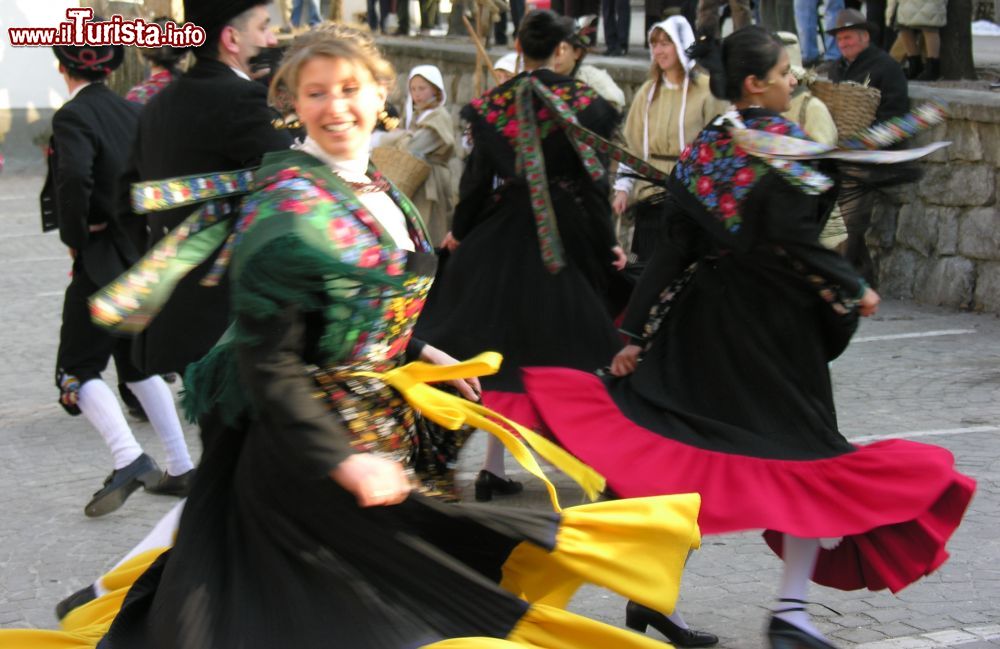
(707, 52)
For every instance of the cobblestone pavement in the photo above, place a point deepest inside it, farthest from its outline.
(942, 388)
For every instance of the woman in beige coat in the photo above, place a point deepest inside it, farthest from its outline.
(429, 135)
(667, 112)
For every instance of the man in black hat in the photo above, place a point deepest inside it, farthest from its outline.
(91, 136)
(864, 63)
(213, 118)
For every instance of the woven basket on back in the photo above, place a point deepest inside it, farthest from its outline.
(852, 105)
(405, 171)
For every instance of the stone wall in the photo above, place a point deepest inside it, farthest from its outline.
(937, 241)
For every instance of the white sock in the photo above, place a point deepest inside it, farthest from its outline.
(494, 457)
(100, 406)
(161, 536)
(677, 619)
(800, 560)
(158, 402)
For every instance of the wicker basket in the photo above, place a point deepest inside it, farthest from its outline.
(406, 172)
(852, 105)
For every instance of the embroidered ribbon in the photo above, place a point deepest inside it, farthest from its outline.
(782, 149)
(452, 412)
(530, 163)
(157, 195)
(131, 301)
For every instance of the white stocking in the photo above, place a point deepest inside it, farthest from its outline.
(100, 406)
(161, 536)
(158, 402)
(493, 462)
(800, 561)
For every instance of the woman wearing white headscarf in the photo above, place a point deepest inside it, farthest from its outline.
(667, 112)
(429, 134)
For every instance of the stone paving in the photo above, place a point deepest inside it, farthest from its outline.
(945, 388)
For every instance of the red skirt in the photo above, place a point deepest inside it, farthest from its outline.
(895, 502)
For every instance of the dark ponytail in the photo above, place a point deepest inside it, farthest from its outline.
(749, 51)
(541, 31)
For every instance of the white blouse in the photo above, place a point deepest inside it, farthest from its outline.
(379, 204)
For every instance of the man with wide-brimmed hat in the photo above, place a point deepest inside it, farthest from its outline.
(91, 136)
(863, 62)
(213, 118)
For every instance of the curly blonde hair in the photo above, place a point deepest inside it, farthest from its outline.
(333, 41)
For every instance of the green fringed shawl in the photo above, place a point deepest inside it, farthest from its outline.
(295, 246)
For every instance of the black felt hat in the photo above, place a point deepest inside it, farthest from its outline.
(84, 59)
(213, 15)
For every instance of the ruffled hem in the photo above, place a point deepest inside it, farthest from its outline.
(897, 502)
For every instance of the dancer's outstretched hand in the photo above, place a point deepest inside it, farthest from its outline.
(620, 258)
(626, 360)
(468, 388)
(620, 202)
(869, 303)
(373, 480)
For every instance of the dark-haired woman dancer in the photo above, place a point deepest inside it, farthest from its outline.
(733, 397)
(529, 261)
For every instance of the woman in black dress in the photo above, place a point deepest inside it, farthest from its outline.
(528, 267)
(309, 524)
(734, 322)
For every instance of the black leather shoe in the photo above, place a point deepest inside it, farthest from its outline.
(76, 600)
(614, 51)
(785, 635)
(488, 484)
(121, 483)
(173, 485)
(638, 617)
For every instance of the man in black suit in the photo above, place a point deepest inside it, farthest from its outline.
(214, 118)
(91, 135)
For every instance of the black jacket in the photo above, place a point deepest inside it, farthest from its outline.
(208, 120)
(91, 138)
(880, 71)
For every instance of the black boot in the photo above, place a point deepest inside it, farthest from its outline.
(914, 66)
(638, 617)
(932, 70)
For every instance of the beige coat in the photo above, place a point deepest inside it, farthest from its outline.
(917, 13)
(663, 115)
(432, 139)
(814, 117)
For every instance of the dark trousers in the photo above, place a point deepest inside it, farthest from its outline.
(378, 11)
(617, 21)
(403, 13)
(857, 200)
(429, 11)
(500, 27)
(85, 348)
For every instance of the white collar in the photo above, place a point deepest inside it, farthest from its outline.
(76, 91)
(353, 170)
(240, 73)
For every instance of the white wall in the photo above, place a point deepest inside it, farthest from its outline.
(29, 78)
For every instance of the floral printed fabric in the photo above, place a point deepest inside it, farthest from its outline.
(720, 174)
(145, 90)
(499, 108)
(329, 217)
(513, 111)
